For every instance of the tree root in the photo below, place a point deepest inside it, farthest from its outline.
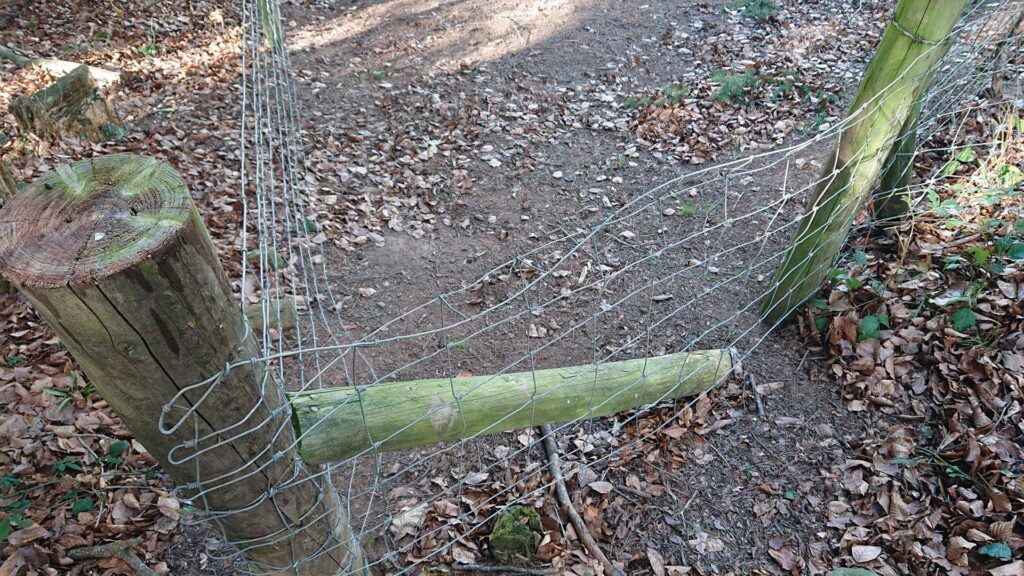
(555, 466)
(119, 550)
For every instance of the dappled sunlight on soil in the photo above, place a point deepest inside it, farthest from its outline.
(466, 36)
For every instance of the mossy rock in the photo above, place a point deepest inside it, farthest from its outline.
(517, 532)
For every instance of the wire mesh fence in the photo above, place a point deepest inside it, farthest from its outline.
(641, 285)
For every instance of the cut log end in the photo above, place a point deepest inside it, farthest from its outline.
(91, 219)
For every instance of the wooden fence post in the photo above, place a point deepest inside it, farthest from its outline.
(113, 254)
(913, 43)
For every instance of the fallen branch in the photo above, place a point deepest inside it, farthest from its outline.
(757, 395)
(555, 466)
(504, 569)
(120, 550)
(57, 67)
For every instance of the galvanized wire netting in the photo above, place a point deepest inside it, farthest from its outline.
(640, 284)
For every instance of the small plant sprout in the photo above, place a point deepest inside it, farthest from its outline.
(733, 88)
(756, 9)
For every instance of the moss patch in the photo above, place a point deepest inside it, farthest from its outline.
(517, 532)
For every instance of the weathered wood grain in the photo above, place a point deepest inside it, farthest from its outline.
(71, 106)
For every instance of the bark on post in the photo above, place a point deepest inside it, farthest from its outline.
(914, 42)
(112, 253)
(72, 106)
(7, 189)
(338, 423)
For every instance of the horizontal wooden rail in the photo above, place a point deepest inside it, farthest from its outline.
(338, 423)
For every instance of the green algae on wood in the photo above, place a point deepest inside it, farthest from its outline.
(71, 106)
(338, 423)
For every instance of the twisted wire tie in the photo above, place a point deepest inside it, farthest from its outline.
(913, 36)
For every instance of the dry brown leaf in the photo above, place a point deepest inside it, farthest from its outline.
(862, 554)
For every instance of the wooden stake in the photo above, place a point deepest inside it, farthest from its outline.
(913, 43)
(7, 190)
(338, 423)
(8, 186)
(112, 253)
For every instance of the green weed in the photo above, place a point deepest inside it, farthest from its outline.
(733, 87)
(756, 9)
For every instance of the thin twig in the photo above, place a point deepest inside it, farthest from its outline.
(504, 569)
(962, 241)
(555, 466)
(120, 550)
(757, 395)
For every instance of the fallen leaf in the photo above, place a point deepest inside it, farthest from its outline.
(863, 554)
(657, 562)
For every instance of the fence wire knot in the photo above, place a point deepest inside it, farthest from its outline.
(913, 36)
